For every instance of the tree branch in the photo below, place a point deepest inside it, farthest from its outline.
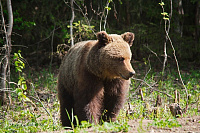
(170, 41)
(152, 87)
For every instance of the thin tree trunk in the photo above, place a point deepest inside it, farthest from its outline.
(178, 22)
(71, 22)
(197, 21)
(6, 61)
(127, 13)
(179, 19)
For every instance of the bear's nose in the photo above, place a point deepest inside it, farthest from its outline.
(132, 73)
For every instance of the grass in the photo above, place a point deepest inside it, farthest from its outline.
(24, 117)
(26, 121)
(165, 123)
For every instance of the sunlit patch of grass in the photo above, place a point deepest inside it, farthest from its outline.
(163, 123)
(26, 121)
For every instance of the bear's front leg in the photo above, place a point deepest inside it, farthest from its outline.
(88, 105)
(114, 98)
(66, 105)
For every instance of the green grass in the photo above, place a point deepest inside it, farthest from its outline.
(165, 123)
(24, 117)
(26, 121)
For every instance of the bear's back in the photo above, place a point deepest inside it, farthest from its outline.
(73, 60)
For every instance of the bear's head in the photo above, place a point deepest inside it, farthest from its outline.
(111, 55)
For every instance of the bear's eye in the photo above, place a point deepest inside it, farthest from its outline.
(121, 59)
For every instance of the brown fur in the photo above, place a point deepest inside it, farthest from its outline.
(93, 78)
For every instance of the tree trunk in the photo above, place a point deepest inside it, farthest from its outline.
(197, 21)
(179, 18)
(178, 25)
(127, 13)
(5, 70)
(71, 22)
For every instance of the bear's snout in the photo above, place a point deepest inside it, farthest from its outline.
(131, 74)
(126, 77)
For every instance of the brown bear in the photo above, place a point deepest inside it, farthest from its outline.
(94, 78)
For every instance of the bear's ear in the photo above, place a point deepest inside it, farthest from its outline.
(128, 37)
(103, 37)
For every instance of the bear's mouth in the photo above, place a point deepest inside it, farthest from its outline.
(123, 76)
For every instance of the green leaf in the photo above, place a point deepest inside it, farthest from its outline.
(16, 63)
(24, 87)
(20, 55)
(162, 3)
(165, 18)
(164, 14)
(15, 55)
(20, 94)
(108, 8)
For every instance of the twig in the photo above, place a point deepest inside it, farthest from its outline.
(103, 14)
(179, 73)
(101, 19)
(44, 39)
(87, 20)
(167, 37)
(145, 74)
(38, 99)
(152, 87)
(52, 47)
(141, 94)
(9, 82)
(19, 46)
(7, 90)
(152, 52)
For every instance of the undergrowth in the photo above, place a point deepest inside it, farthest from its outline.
(43, 113)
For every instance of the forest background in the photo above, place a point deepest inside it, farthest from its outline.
(40, 26)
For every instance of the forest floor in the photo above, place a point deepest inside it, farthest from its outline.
(186, 124)
(41, 113)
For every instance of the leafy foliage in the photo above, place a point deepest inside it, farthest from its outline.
(19, 64)
(21, 85)
(81, 32)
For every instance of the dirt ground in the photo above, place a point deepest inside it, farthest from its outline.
(188, 125)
